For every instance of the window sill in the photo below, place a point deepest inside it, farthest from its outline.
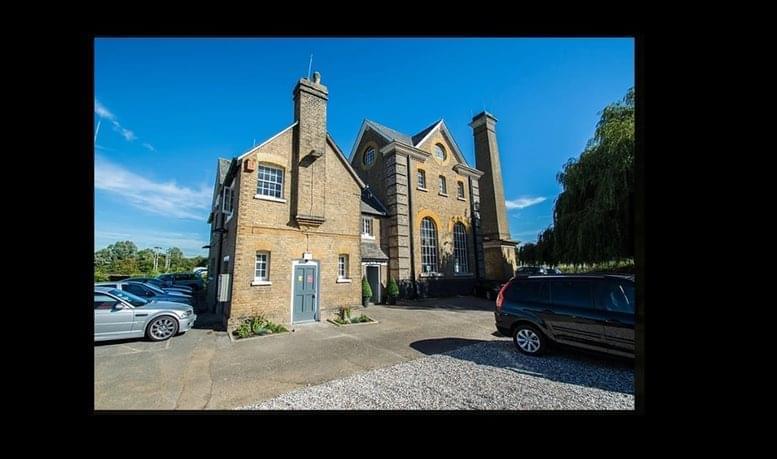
(256, 282)
(343, 281)
(268, 198)
(464, 274)
(443, 194)
(420, 188)
(430, 275)
(369, 238)
(460, 198)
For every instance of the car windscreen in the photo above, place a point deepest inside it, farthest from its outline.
(153, 288)
(129, 298)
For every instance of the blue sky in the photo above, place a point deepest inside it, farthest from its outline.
(168, 108)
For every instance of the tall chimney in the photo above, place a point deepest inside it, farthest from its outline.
(310, 100)
(493, 214)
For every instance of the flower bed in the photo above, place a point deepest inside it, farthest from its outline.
(257, 326)
(343, 317)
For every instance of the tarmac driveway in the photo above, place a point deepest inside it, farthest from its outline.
(204, 369)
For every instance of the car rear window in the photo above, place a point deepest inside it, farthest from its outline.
(528, 291)
(572, 293)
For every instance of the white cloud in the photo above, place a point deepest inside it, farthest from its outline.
(161, 198)
(522, 203)
(149, 147)
(189, 243)
(102, 111)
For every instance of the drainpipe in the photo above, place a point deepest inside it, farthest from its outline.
(474, 230)
(411, 228)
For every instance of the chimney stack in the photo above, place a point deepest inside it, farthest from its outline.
(310, 101)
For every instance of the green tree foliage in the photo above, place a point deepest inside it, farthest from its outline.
(392, 289)
(593, 219)
(124, 258)
(366, 289)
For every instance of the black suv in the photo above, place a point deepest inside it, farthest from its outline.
(593, 312)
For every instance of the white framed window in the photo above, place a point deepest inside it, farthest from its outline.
(439, 152)
(428, 246)
(369, 156)
(421, 178)
(262, 267)
(460, 189)
(460, 264)
(270, 182)
(228, 201)
(367, 227)
(342, 267)
(443, 185)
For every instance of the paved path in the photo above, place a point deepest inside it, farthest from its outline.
(204, 369)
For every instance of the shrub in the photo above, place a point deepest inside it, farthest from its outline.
(392, 289)
(100, 276)
(366, 289)
(243, 331)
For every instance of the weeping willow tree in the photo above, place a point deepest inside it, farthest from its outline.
(593, 219)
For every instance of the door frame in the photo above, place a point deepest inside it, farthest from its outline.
(366, 271)
(317, 314)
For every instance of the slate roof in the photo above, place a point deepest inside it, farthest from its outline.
(371, 204)
(371, 251)
(420, 136)
(223, 168)
(390, 133)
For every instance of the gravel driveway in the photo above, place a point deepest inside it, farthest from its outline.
(485, 376)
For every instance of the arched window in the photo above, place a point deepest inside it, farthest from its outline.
(439, 152)
(369, 156)
(460, 249)
(428, 246)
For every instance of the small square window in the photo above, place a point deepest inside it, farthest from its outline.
(270, 182)
(421, 178)
(262, 266)
(367, 226)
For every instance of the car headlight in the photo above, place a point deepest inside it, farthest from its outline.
(186, 313)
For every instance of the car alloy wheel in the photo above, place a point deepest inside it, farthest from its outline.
(162, 328)
(528, 340)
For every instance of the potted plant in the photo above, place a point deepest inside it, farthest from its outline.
(392, 289)
(366, 292)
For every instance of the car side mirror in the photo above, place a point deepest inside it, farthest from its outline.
(118, 306)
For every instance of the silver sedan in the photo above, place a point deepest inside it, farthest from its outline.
(119, 315)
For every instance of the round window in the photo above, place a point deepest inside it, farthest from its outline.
(369, 156)
(439, 152)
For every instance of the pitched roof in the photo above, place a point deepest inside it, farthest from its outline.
(223, 168)
(390, 133)
(420, 136)
(371, 204)
(371, 251)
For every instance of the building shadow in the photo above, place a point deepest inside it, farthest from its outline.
(558, 364)
(210, 321)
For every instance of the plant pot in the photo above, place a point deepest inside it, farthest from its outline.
(365, 301)
(392, 300)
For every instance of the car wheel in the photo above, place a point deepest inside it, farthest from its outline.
(528, 339)
(162, 328)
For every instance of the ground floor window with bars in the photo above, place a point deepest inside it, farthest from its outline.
(460, 249)
(262, 268)
(428, 246)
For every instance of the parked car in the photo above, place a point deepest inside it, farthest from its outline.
(530, 271)
(189, 279)
(119, 314)
(488, 289)
(147, 291)
(593, 312)
(551, 271)
(166, 286)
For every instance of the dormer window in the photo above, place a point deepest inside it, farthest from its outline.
(367, 228)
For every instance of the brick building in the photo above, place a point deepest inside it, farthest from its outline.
(295, 225)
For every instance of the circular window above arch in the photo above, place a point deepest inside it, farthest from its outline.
(439, 152)
(369, 156)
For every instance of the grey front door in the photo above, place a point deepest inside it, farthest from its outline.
(373, 278)
(305, 301)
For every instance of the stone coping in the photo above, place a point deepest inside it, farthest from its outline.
(348, 325)
(240, 340)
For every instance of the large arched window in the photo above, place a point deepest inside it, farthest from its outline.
(428, 246)
(460, 248)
